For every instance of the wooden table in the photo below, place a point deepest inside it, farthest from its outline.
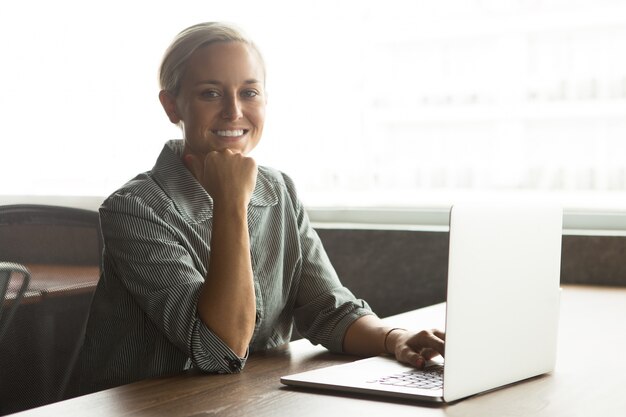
(589, 380)
(56, 280)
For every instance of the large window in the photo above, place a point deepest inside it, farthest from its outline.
(395, 103)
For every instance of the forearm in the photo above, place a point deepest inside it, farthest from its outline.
(366, 337)
(227, 301)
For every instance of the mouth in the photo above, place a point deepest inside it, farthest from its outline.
(230, 133)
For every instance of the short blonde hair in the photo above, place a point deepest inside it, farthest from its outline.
(188, 41)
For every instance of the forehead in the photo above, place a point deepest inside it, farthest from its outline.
(225, 61)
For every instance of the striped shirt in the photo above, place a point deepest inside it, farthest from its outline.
(157, 231)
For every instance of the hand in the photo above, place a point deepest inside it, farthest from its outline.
(416, 348)
(227, 176)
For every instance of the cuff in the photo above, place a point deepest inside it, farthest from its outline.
(339, 333)
(210, 354)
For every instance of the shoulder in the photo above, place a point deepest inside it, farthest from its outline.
(140, 196)
(282, 183)
(284, 188)
(278, 178)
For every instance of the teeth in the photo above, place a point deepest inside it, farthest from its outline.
(229, 132)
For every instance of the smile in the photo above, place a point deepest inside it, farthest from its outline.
(230, 133)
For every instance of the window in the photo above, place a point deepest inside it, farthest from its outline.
(396, 103)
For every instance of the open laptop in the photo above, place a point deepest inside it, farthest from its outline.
(501, 312)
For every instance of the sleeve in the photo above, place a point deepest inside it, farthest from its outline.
(151, 260)
(324, 307)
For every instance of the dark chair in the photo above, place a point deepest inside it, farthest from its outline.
(9, 295)
(61, 247)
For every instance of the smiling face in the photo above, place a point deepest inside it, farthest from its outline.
(221, 103)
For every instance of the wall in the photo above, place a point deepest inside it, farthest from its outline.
(399, 270)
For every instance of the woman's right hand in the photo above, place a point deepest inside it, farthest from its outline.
(228, 177)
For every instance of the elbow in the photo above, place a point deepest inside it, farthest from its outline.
(211, 354)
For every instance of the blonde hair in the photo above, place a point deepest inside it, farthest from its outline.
(188, 41)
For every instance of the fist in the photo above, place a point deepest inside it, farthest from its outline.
(228, 177)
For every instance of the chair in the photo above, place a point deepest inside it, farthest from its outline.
(61, 248)
(12, 299)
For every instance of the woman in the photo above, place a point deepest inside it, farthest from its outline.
(207, 256)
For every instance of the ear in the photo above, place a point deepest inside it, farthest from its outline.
(168, 101)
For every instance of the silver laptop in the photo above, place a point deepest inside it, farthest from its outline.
(501, 311)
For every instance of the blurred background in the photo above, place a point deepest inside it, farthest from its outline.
(371, 104)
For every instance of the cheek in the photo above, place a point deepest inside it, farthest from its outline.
(259, 118)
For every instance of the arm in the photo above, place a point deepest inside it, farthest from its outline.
(328, 313)
(149, 250)
(369, 336)
(227, 301)
(324, 308)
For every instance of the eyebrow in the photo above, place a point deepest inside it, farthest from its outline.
(215, 82)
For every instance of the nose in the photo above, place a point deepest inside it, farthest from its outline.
(232, 108)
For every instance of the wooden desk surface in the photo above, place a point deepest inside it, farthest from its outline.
(55, 280)
(52, 280)
(589, 380)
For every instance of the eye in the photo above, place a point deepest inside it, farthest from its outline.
(249, 93)
(209, 94)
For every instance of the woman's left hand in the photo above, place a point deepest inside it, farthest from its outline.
(416, 348)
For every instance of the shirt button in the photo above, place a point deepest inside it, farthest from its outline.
(234, 365)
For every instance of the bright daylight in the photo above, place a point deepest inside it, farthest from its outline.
(420, 104)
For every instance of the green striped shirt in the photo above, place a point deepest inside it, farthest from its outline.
(157, 231)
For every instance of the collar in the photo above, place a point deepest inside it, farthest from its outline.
(189, 197)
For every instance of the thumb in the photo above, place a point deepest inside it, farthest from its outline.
(194, 165)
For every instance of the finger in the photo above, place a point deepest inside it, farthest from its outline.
(439, 334)
(439, 338)
(427, 339)
(428, 354)
(193, 164)
(413, 358)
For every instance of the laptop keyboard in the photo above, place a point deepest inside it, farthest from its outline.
(428, 378)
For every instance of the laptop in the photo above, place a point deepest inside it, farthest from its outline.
(502, 311)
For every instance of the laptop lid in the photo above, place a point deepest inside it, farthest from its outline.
(503, 295)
